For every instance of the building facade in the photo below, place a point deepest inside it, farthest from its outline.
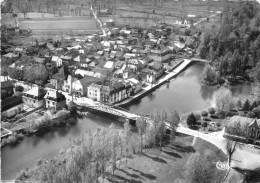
(34, 97)
(54, 99)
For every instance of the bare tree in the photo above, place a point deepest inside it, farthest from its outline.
(127, 130)
(174, 123)
(141, 125)
(231, 147)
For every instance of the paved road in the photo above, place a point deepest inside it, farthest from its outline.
(244, 156)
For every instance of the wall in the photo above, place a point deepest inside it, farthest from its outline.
(33, 102)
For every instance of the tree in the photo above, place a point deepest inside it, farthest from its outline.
(36, 72)
(239, 104)
(231, 147)
(204, 113)
(209, 75)
(204, 125)
(127, 135)
(211, 110)
(160, 130)
(191, 120)
(253, 105)
(250, 114)
(197, 169)
(19, 88)
(246, 106)
(72, 108)
(141, 125)
(174, 123)
(258, 72)
(223, 98)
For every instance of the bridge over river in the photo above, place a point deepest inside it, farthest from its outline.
(244, 156)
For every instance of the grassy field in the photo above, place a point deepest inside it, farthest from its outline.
(167, 164)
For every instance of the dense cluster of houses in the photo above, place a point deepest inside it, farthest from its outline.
(106, 69)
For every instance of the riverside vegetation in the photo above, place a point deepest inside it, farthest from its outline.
(234, 47)
(96, 154)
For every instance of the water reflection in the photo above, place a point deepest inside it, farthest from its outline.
(207, 92)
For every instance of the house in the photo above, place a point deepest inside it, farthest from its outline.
(80, 86)
(94, 91)
(66, 60)
(11, 56)
(246, 130)
(34, 97)
(67, 85)
(54, 99)
(161, 55)
(57, 61)
(7, 89)
(11, 106)
(153, 72)
(135, 84)
(115, 92)
(57, 80)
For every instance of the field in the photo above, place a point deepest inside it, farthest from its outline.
(167, 164)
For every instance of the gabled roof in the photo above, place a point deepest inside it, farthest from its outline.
(54, 95)
(36, 91)
(243, 121)
(55, 58)
(61, 75)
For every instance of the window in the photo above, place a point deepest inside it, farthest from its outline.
(53, 103)
(48, 102)
(33, 101)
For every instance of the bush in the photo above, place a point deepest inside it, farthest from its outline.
(12, 140)
(204, 124)
(221, 114)
(204, 113)
(211, 129)
(211, 110)
(250, 114)
(207, 119)
(197, 116)
(218, 124)
(3, 142)
(229, 114)
(20, 136)
(214, 116)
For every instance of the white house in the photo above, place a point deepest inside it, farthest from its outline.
(94, 91)
(57, 61)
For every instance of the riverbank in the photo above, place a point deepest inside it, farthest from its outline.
(166, 164)
(30, 127)
(150, 87)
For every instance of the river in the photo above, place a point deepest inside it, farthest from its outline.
(184, 94)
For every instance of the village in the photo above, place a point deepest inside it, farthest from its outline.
(109, 70)
(148, 87)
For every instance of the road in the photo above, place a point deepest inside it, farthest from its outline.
(244, 156)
